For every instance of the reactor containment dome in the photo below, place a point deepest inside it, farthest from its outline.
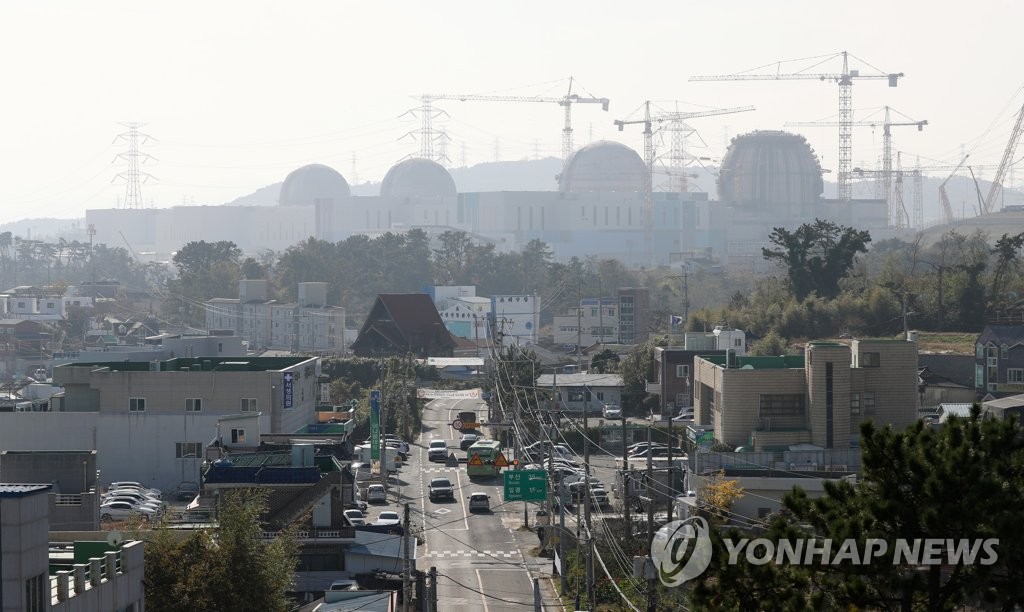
(769, 169)
(310, 184)
(603, 166)
(417, 178)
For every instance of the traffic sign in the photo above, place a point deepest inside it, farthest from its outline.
(475, 460)
(526, 485)
(501, 461)
(457, 424)
(451, 461)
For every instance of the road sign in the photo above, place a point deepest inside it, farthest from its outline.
(526, 485)
(475, 461)
(457, 424)
(501, 461)
(374, 424)
(451, 461)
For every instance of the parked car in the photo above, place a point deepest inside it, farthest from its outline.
(355, 517)
(392, 439)
(633, 449)
(658, 451)
(127, 484)
(134, 496)
(388, 517)
(438, 450)
(441, 488)
(468, 440)
(122, 510)
(612, 412)
(479, 502)
(186, 491)
(359, 502)
(685, 414)
(376, 494)
(344, 585)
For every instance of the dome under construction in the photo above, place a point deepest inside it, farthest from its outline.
(770, 169)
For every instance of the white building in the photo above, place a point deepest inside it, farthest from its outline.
(309, 325)
(721, 338)
(150, 422)
(516, 318)
(594, 320)
(579, 392)
(39, 303)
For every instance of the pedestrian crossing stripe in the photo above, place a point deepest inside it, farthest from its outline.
(472, 554)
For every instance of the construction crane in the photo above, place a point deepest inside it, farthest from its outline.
(845, 81)
(648, 121)
(997, 182)
(896, 215)
(565, 102)
(947, 209)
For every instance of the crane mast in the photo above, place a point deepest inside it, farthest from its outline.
(845, 81)
(997, 182)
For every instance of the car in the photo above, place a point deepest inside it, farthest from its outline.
(355, 517)
(186, 491)
(468, 440)
(358, 502)
(388, 517)
(479, 502)
(659, 451)
(155, 505)
(599, 495)
(632, 449)
(130, 484)
(135, 497)
(397, 447)
(395, 442)
(437, 450)
(344, 585)
(441, 488)
(612, 412)
(122, 510)
(376, 494)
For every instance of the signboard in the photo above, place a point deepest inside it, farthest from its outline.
(457, 424)
(448, 393)
(374, 424)
(501, 461)
(526, 485)
(289, 383)
(452, 461)
(699, 435)
(475, 461)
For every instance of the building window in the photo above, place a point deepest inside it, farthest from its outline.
(49, 304)
(238, 436)
(1004, 352)
(248, 404)
(979, 351)
(193, 404)
(870, 360)
(855, 403)
(136, 404)
(188, 450)
(993, 352)
(34, 601)
(1015, 375)
(869, 403)
(782, 405)
(737, 342)
(682, 371)
(600, 396)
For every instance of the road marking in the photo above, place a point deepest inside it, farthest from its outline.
(483, 597)
(471, 554)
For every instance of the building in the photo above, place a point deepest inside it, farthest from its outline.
(945, 378)
(1005, 407)
(160, 347)
(467, 317)
(74, 494)
(999, 360)
(150, 421)
(595, 320)
(516, 318)
(404, 323)
(309, 325)
(673, 376)
(634, 315)
(818, 398)
(40, 303)
(24, 347)
(577, 393)
(115, 571)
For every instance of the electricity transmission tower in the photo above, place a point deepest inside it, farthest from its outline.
(133, 176)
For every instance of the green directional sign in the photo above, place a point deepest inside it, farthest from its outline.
(526, 485)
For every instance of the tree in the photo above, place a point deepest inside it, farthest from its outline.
(816, 255)
(205, 270)
(719, 495)
(605, 362)
(1007, 252)
(230, 568)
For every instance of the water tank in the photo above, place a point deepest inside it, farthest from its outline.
(912, 335)
(252, 290)
(302, 455)
(313, 294)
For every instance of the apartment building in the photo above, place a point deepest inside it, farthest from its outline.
(150, 421)
(594, 320)
(818, 398)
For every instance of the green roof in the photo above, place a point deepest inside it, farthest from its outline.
(780, 362)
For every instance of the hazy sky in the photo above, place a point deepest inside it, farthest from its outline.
(238, 94)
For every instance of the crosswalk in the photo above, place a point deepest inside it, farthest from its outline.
(472, 554)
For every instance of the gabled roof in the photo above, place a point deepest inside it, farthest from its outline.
(958, 369)
(406, 322)
(1002, 334)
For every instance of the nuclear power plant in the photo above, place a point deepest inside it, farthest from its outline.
(766, 179)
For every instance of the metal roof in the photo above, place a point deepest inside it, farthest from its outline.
(22, 490)
(580, 380)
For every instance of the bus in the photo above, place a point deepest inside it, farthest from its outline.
(480, 458)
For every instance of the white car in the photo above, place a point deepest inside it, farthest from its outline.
(134, 502)
(438, 450)
(388, 517)
(129, 484)
(355, 517)
(376, 494)
(134, 498)
(121, 510)
(612, 412)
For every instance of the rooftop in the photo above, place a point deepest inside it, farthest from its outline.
(232, 364)
(781, 362)
(580, 380)
(8, 491)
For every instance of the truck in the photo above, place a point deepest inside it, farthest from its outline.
(390, 456)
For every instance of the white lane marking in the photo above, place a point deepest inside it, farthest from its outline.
(483, 597)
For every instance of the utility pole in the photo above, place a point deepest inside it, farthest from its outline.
(579, 325)
(558, 490)
(432, 589)
(586, 490)
(652, 587)
(406, 565)
(625, 482)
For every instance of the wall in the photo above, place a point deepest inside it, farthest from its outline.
(24, 549)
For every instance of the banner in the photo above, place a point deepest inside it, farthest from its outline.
(287, 397)
(675, 320)
(374, 425)
(448, 393)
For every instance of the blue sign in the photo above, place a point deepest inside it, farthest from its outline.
(289, 383)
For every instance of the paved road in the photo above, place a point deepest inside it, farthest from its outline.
(479, 557)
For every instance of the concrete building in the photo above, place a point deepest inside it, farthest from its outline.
(40, 303)
(579, 392)
(595, 320)
(160, 347)
(999, 360)
(307, 326)
(74, 494)
(673, 376)
(149, 422)
(819, 398)
(115, 573)
(634, 315)
(516, 318)
(467, 317)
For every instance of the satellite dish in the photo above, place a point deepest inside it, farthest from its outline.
(115, 538)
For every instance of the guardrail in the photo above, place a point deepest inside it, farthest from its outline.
(67, 499)
(84, 576)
